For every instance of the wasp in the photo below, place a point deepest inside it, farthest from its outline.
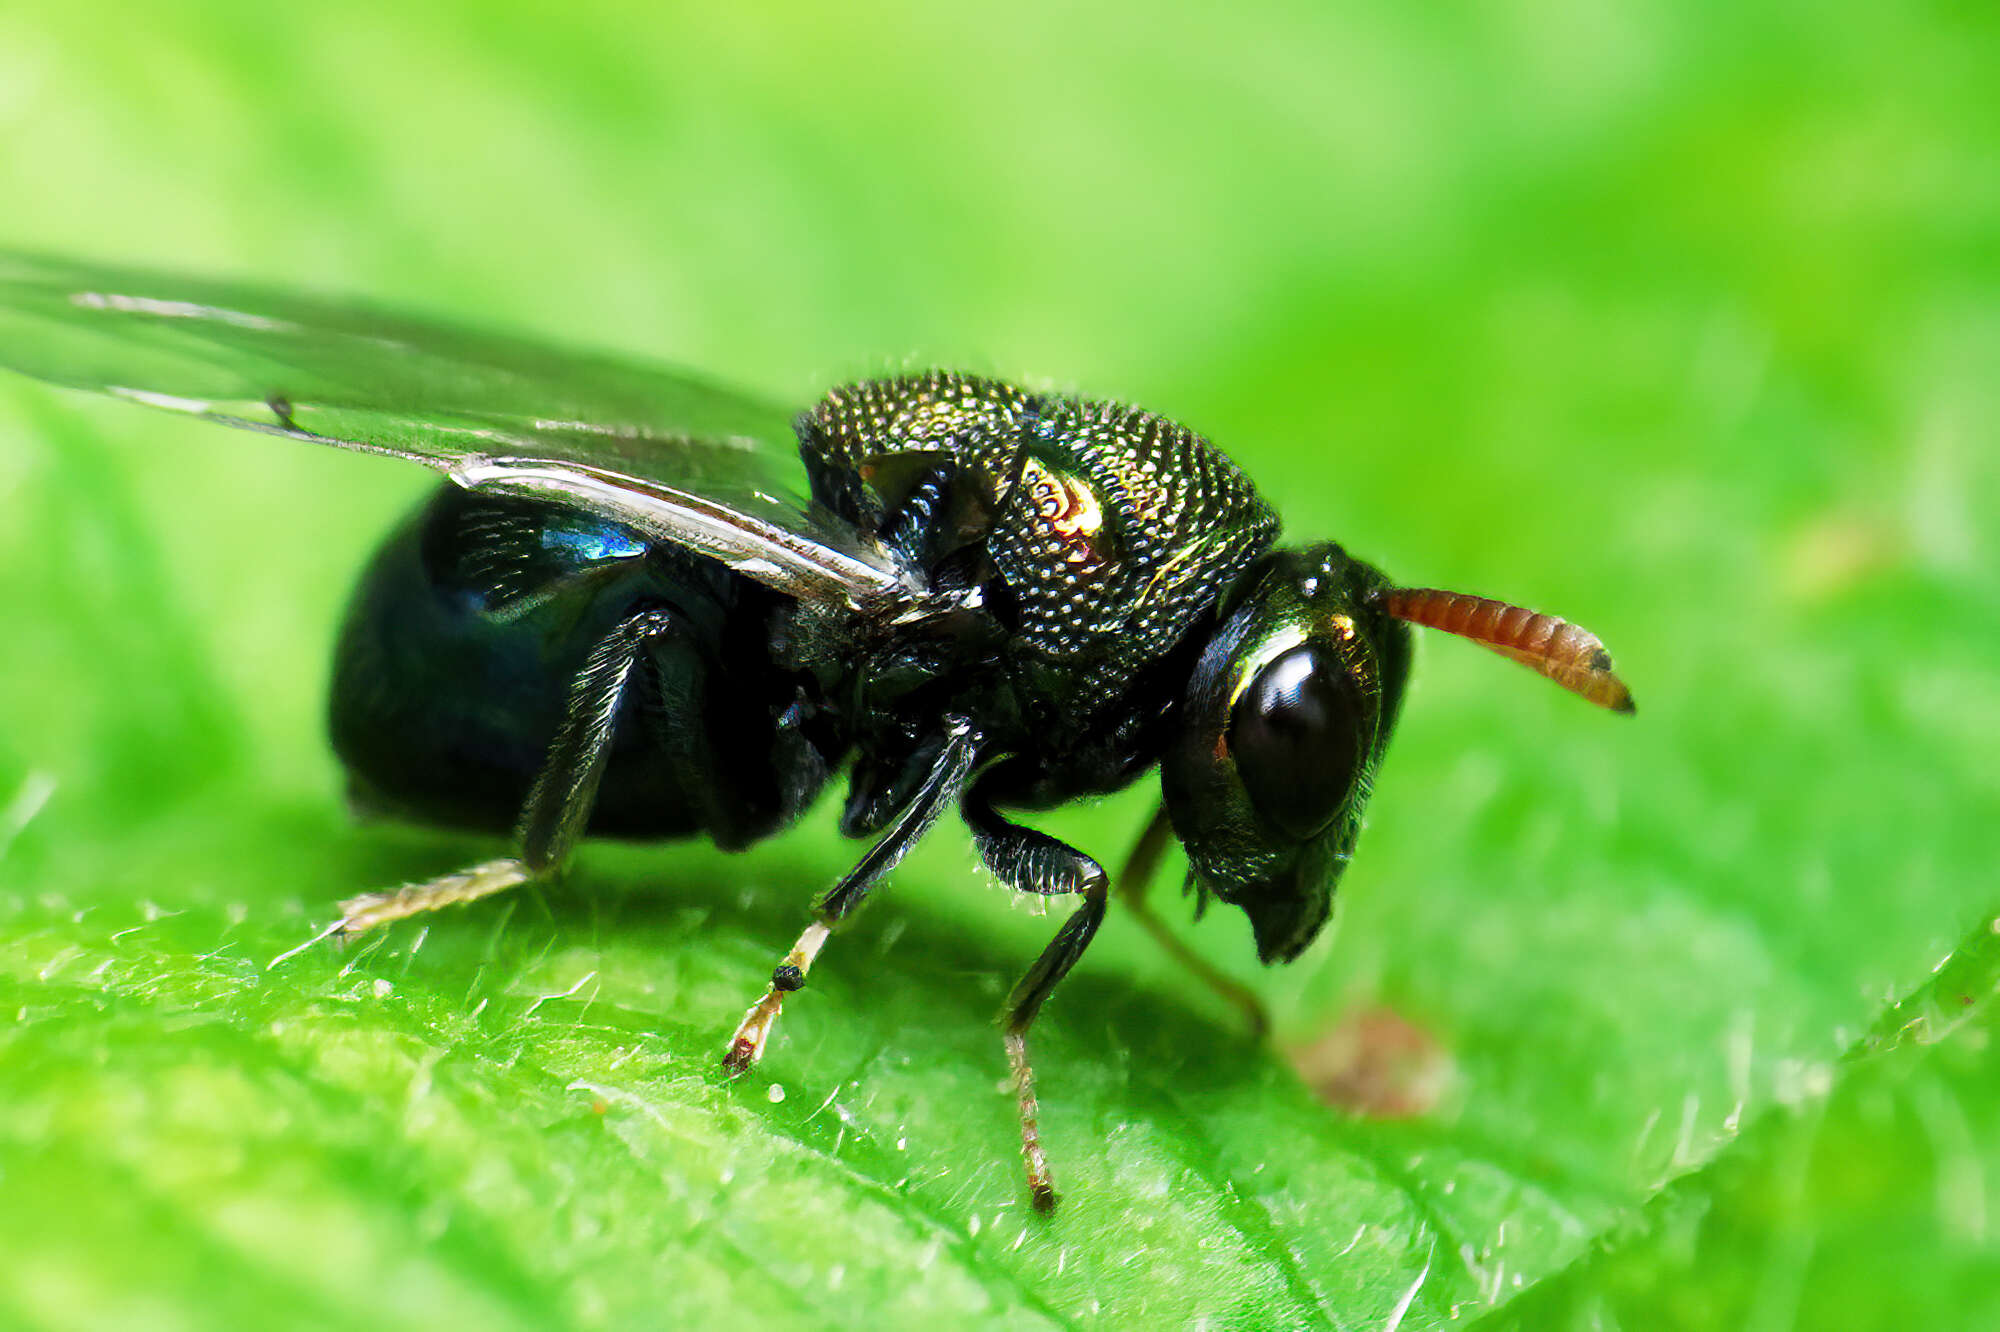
(643, 606)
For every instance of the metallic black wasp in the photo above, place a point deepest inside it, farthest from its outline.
(645, 607)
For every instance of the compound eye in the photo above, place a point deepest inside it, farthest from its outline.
(1296, 734)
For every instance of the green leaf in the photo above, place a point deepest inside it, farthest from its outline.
(1864, 1204)
(1674, 319)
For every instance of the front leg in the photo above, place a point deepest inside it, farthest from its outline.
(1034, 862)
(1133, 882)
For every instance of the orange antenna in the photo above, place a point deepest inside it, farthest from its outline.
(1566, 653)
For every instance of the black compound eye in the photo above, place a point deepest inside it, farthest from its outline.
(1296, 735)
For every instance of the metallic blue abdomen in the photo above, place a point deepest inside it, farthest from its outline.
(469, 628)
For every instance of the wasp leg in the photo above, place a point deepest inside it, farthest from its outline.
(1133, 881)
(946, 779)
(559, 803)
(1034, 862)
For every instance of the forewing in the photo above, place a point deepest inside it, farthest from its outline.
(661, 451)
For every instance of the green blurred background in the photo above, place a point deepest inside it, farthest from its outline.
(1680, 319)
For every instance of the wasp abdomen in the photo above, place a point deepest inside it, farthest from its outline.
(470, 629)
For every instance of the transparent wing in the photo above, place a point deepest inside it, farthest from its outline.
(661, 451)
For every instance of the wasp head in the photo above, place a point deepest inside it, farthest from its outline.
(1288, 712)
(1284, 722)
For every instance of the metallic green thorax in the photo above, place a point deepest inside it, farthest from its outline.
(1112, 530)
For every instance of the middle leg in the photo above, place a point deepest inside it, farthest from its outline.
(947, 777)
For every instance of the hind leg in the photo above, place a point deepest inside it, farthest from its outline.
(559, 803)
